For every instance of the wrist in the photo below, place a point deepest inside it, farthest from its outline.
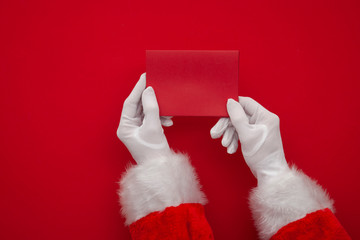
(153, 155)
(266, 176)
(270, 167)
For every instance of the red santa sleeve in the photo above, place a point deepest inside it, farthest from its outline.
(162, 199)
(294, 206)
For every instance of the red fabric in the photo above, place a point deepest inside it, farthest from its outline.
(321, 224)
(186, 221)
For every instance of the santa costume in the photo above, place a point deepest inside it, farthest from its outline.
(163, 200)
(161, 197)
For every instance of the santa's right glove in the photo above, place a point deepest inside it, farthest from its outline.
(283, 195)
(259, 134)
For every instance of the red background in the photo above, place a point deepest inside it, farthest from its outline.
(67, 66)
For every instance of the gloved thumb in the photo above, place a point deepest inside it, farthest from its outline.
(251, 136)
(238, 117)
(151, 109)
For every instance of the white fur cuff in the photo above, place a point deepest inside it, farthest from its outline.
(284, 199)
(157, 184)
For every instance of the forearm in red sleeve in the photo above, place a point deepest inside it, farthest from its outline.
(162, 199)
(293, 206)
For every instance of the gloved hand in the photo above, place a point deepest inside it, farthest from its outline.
(259, 134)
(140, 124)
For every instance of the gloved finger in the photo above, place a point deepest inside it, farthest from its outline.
(233, 145)
(250, 106)
(131, 104)
(150, 108)
(238, 117)
(139, 111)
(228, 136)
(219, 128)
(166, 121)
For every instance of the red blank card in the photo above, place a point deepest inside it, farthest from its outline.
(193, 83)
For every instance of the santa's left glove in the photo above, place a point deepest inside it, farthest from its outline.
(161, 194)
(140, 124)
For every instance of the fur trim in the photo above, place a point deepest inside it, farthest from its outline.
(286, 198)
(156, 184)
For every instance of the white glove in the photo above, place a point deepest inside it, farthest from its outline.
(140, 124)
(259, 134)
